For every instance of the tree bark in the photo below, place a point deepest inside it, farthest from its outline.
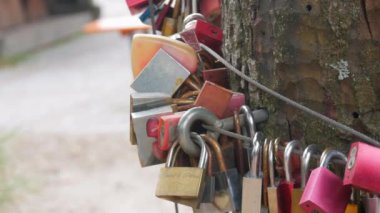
(323, 54)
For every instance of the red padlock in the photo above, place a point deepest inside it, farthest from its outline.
(218, 76)
(167, 130)
(199, 31)
(363, 167)
(324, 190)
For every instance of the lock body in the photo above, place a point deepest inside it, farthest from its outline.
(296, 197)
(363, 167)
(251, 199)
(214, 98)
(352, 208)
(145, 47)
(325, 192)
(217, 76)
(273, 200)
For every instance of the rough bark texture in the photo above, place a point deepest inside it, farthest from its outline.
(324, 54)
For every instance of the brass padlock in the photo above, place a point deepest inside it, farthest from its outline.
(176, 183)
(305, 167)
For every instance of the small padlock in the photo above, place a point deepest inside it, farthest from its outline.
(371, 204)
(169, 26)
(324, 190)
(166, 126)
(272, 189)
(305, 167)
(227, 181)
(236, 102)
(363, 168)
(252, 183)
(182, 184)
(353, 206)
(217, 76)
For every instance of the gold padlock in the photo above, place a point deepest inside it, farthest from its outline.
(169, 27)
(176, 183)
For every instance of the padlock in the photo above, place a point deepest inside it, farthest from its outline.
(371, 204)
(145, 47)
(265, 164)
(194, 116)
(162, 74)
(305, 167)
(217, 76)
(324, 190)
(169, 26)
(200, 31)
(252, 183)
(144, 142)
(214, 98)
(273, 202)
(237, 100)
(288, 186)
(363, 169)
(167, 125)
(353, 206)
(227, 181)
(165, 10)
(182, 185)
(211, 9)
(238, 147)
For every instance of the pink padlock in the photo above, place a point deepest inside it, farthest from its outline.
(237, 100)
(324, 190)
(363, 167)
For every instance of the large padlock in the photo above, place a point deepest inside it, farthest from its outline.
(145, 47)
(305, 167)
(252, 183)
(363, 168)
(371, 204)
(182, 185)
(162, 74)
(324, 190)
(199, 115)
(145, 144)
(227, 181)
(273, 199)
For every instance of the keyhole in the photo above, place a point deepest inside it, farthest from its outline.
(355, 115)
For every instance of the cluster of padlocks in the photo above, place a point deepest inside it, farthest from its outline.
(184, 114)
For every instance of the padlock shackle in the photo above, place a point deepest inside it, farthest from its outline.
(310, 150)
(255, 159)
(290, 147)
(185, 124)
(249, 120)
(271, 161)
(204, 155)
(218, 152)
(192, 17)
(209, 161)
(330, 154)
(171, 155)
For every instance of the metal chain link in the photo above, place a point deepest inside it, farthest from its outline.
(287, 100)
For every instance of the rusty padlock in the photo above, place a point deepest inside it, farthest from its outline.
(324, 190)
(363, 168)
(307, 154)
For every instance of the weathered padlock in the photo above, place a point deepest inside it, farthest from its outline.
(363, 168)
(145, 47)
(162, 74)
(305, 167)
(252, 183)
(272, 189)
(371, 204)
(288, 186)
(227, 182)
(144, 142)
(324, 190)
(214, 98)
(182, 184)
(166, 134)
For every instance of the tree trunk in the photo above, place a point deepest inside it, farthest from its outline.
(323, 54)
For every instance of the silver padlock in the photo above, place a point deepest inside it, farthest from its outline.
(162, 74)
(144, 142)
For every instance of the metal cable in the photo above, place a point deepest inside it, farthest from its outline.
(248, 139)
(324, 118)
